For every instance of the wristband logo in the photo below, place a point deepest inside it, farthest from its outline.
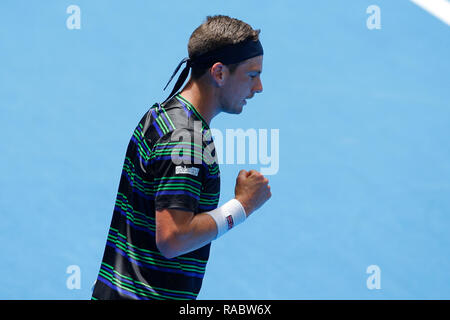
(230, 221)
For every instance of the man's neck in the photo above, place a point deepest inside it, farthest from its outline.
(203, 100)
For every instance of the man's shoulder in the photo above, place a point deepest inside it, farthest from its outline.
(161, 120)
(171, 119)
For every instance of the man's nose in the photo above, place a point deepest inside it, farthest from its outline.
(258, 88)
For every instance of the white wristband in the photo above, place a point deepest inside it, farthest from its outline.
(228, 216)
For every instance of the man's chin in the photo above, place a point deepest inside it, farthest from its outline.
(236, 110)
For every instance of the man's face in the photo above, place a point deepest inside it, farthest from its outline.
(241, 85)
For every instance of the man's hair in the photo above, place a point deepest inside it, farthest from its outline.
(216, 32)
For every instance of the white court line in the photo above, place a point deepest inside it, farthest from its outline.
(439, 8)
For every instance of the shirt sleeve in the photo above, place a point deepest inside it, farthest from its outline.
(179, 169)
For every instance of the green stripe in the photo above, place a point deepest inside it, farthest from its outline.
(176, 143)
(211, 194)
(186, 152)
(178, 186)
(139, 134)
(213, 170)
(181, 178)
(143, 136)
(108, 264)
(168, 118)
(145, 154)
(162, 124)
(204, 201)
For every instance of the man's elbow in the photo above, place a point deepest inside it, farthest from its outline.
(168, 246)
(172, 231)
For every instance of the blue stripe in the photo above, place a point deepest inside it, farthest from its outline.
(207, 208)
(163, 116)
(183, 158)
(184, 181)
(162, 193)
(212, 176)
(179, 145)
(186, 109)
(155, 124)
(208, 197)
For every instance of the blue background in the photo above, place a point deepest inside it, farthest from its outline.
(364, 126)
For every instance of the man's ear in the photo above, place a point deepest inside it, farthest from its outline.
(219, 73)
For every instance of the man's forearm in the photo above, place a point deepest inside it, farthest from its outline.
(179, 232)
(192, 234)
(199, 232)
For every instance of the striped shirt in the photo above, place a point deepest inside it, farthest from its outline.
(169, 163)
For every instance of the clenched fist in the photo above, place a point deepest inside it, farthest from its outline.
(252, 190)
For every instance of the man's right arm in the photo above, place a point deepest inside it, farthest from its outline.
(179, 231)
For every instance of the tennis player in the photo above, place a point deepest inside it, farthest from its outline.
(166, 213)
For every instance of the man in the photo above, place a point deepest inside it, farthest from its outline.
(166, 211)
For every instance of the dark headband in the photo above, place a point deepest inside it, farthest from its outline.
(229, 54)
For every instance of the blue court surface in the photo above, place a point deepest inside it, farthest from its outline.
(359, 97)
